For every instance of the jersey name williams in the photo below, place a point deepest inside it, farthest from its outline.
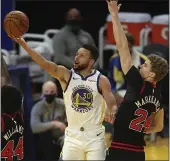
(82, 98)
(146, 100)
(17, 129)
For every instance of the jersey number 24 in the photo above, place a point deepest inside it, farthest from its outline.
(143, 121)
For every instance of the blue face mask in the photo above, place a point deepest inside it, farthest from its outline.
(49, 98)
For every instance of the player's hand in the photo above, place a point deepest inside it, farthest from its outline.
(19, 40)
(58, 124)
(110, 116)
(113, 7)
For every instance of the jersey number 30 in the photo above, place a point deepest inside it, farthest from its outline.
(8, 152)
(142, 121)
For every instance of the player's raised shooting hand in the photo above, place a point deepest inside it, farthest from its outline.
(19, 40)
(113, 7)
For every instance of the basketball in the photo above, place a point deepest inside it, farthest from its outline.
(16, 23)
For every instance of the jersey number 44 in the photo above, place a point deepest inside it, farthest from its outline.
(9, 152)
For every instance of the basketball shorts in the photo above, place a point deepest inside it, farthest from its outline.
(84, 145)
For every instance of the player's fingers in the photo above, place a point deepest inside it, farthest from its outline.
(10, 36)
(113, 1)
(106, 119)
(119, 6)
(111, 120)
(109, 2)
(18, 38)
(15, 39)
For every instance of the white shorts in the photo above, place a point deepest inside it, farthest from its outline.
(84, 145)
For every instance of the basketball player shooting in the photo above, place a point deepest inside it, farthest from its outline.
(141, 112)
(85, 93)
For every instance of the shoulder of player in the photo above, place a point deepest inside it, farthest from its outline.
(64, 72)
(133, 75)
(103, 81)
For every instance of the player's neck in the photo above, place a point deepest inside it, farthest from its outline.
(86, 72)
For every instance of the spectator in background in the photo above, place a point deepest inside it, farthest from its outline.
(48, 120)
(116, 75)
(69, 39)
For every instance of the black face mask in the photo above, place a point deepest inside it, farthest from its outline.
(49, 98)
(74, 25)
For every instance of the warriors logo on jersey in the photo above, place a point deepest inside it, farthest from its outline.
(83, 101)
(82, 98)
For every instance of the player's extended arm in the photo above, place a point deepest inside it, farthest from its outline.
(56, 71)
(120, 37)
(108, 96)
(158, 122)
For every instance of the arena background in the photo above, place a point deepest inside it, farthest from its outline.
(44, 14)
(50, 14)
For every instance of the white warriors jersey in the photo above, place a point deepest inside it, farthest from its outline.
(84, 104)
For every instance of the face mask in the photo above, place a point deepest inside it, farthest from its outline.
(49, 98)
(75, 25)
